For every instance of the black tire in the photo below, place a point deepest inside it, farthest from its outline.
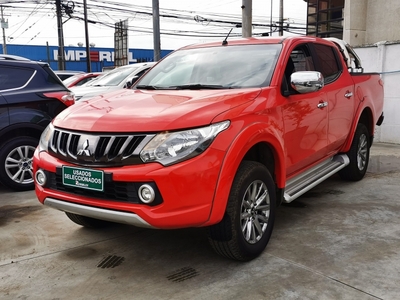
(16, 156)
(87, 221)
(358, 155)
(227, 237)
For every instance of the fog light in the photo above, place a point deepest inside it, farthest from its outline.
(41, 178)
(146, 193)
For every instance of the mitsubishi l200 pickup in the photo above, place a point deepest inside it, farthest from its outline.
(214, 135)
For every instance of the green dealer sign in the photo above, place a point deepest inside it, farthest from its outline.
(83, 178)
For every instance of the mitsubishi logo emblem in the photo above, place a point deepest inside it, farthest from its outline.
(84, 151)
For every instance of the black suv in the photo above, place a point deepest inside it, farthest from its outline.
(31, 95)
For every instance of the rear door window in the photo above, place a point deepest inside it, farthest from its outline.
(14, 78)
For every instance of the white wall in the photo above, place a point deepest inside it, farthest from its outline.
(369, 21)
(384, 58)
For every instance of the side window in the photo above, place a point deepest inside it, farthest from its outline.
(300, 60)
(13, 78)
(142, 72)
(327, 62)
(132, 79)
(51, 78)
(83, 81)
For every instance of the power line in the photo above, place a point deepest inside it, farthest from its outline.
(123, 9)
(116, 10)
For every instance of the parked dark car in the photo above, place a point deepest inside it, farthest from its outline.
(31, 95)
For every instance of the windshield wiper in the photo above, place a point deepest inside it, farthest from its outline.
(199, 86)
(146, 87)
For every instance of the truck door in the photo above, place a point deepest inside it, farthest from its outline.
(305, 119)
(339, 89)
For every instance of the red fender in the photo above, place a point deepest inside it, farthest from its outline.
(248, 137)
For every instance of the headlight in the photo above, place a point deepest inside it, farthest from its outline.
(171, 147)
(45, 138)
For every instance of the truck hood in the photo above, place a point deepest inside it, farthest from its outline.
(151, 111)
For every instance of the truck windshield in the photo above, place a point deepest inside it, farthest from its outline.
(240, 66)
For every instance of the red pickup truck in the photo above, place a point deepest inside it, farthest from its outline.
(215, 135)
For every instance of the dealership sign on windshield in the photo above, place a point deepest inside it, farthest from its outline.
(77, 55)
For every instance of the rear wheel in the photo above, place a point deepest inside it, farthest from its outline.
(87, 221)
(16, 157)
(247, 225)
(358, 155)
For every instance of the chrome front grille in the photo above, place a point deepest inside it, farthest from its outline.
(98, 149)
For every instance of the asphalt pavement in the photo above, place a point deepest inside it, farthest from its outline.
(340, 240)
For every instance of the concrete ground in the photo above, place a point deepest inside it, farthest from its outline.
(341, 240)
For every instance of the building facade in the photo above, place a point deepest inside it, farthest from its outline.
(325, 18)
(358, 22)
(367, 22)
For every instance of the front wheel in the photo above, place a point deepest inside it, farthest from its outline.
(16, 156)
(247, 225)
(358, 155)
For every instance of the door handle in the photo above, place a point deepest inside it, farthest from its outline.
(322, 104)
(348, 94)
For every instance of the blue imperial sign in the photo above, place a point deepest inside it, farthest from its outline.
(75, 57)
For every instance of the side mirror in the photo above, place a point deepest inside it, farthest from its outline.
(130, 82)
(307, 81)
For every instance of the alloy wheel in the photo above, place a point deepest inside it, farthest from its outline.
(362, 152)
(18, 164)
(255, 211)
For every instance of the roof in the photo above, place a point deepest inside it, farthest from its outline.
(255, 41)
(241, 41)
(13, 57)
(68, 72)
(136, 65)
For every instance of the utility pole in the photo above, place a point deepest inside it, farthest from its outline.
(270, 21)
(61, 52)
(156, 30)
(281, 18)
(3, 25)
(247, 6)
(88, 62)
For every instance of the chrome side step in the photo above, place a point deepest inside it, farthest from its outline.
(297, 186)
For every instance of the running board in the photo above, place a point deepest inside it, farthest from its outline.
(297, 186)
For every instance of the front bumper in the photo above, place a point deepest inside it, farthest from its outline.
(186, 189)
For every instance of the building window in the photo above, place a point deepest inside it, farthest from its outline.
(325, 18)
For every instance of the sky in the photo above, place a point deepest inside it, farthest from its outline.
(34, 22)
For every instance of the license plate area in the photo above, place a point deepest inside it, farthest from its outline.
(88, 179)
